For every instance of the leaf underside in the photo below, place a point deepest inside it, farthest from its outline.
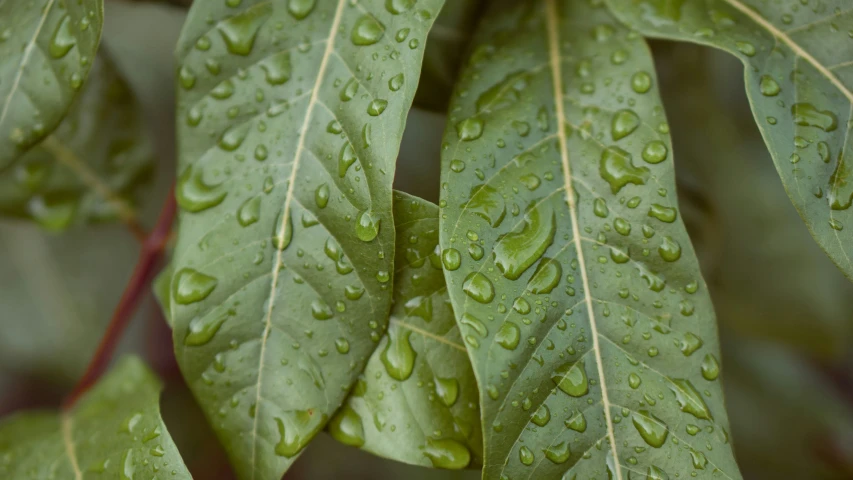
(798, 72)
(46, 50)
(114, 431)
(290, 116)
(576, 288)
(91, 167)
(417, 400)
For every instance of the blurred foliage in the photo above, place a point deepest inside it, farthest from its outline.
(785, 311)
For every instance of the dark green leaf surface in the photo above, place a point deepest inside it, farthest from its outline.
(114, 431)
(417, 400)
(46, 50)
(575, 285)
(90, 167)
(446, 47)
(290, 117)
(798, 63)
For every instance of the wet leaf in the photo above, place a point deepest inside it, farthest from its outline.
(431, 416)
(587, 320)
(114, 431)
(290, 116)
(46, 50)
(799, 78)
(91, 167)
(447, 45)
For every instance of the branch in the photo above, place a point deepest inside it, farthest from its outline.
(137, 286)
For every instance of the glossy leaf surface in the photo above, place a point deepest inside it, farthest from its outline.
(114, 431)
(46, 50)
(290, 117)
(417, 400)
(798, 63)
(89, 169)
(574, 283)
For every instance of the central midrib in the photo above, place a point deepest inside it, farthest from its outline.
(330, 45)
(68, 442)
(556, 75)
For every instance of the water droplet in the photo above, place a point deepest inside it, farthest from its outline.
(398, 355)
(447, 453)
(690, 343)
(376, 107)
(278, 69)
(346, 427)
(63, 39)
(451, 259)
(239, 32)
(321, 195)
(807, 115)
(321, 310)
(710, 367)
(571, 378)
(194, 195)
(576, 422)
(689, 399)
(447, 390)
(662, 213)
(202, 329)
(396, 82)
(525, 456)
(618, 170)
(746, 48)
(367, 227)
(542, 416)
(192, 286)
(487, 202)
(768, 86)
(624, 123)
(250, 211)
(634, 381)
(367, 31)
(669, 249)
(655, 473)
(300, 8)
(546, 276)
(478, 287)
(651, 428)
(641, 82)
(508, 336)
(346, 158)
(516, 251)
(282, 232)
(296, 429)
(558, 453)
(655, 152)
(469, 129)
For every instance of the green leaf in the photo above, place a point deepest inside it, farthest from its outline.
(290, 116)
(163, 292)
(417, 400)
(447, 45)
(576, 288)
(46, 50)
(799, 79)
(89, 169)
(114, 431)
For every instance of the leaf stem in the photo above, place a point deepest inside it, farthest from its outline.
(137, 286)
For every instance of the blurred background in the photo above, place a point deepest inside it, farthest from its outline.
(785, 312)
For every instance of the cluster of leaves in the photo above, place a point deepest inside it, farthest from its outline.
(547, 319)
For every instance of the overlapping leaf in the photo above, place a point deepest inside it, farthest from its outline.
(46, 50)
(577, 291)
(114, 431)
(417, 400)
(290, 117)
(798, 63)
(90, 167)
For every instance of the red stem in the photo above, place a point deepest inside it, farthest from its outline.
(137, 287)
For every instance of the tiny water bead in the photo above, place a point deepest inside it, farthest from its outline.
(367, 31)
(192, 286)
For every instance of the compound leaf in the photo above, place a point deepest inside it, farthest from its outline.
(290, 116)
(89, 169)
(574, 283)
(798, 71)
(417, 400)
(114, 431)
(46, 50)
